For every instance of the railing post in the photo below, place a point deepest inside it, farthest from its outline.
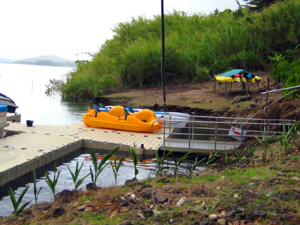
(189, 135)
(216, 133)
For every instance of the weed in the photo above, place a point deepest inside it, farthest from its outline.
(116, 166)
(16, 203)
(76, 174)
(52, 183)
(99, 167)
(177, 163)
(135, 161)
(160, 161)
(36, 191)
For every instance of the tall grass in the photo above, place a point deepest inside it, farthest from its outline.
(197, 47)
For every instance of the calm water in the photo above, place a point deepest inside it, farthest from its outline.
(106, 179)
(25, 84)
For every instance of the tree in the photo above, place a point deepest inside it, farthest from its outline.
(259, 5)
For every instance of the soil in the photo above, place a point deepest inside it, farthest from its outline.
(215, 196)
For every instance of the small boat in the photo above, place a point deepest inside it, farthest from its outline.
(11, 106)
(171, 119)
(118, 118)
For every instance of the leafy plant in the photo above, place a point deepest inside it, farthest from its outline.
(192, 167)
(75, 175)
(52, 183)
(116, 166)
(160, 161)
(265, 141)
(211, 158)
(16, 203)
(250, 152)
(36, 191)
(288, 137)
(135, 160)
(228, 161)
(177, 163)
(99, 167)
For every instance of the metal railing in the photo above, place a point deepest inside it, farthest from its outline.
(216, 133)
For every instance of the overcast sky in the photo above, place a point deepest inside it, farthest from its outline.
(31, 28)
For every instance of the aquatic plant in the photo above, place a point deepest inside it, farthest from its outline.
(192, 167)
(16, 203)
(134, 160)
(75, 175)
(99, 167)
(178, 162)
(211, 158)
(116, 166)
(288, 137)
(52, 183)
(160, 161)
(265, 141)
(36, 191)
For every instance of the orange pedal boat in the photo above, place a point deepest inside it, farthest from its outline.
(118, 118)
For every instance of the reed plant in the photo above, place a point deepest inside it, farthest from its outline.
(18, 208)
(134, 158)
(288, 137)
(116, 166)
(99, 167)
(160, 161)
(192, 167)
(75, 175)
(178, 162)
(52, 182)
(36, 191)
(265, 142)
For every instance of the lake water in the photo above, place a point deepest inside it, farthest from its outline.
(25, 85)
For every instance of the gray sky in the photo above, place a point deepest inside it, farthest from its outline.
(31, 28)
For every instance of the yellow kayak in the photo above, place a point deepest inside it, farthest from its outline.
(119, 119)
(257, 78)
(223, 79)
(251, 80)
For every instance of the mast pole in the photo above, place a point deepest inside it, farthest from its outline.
(163, 53)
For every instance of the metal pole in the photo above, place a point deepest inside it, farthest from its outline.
(163, 53)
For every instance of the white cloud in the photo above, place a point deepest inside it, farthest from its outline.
(66, 27)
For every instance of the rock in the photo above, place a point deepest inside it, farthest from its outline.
(56, 212)
(130, 182)
(258, 214)
(125, 223)
(229, 214)
(158, 198)
(181, 201)
(81, 208)
(43, 206)
(130, 197)
(205, 222)
(65, 196)
(148, 213)
(213, 217)
(146, 193)
(91, 187)
(222, 221)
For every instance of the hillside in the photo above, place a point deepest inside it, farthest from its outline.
(47, 60)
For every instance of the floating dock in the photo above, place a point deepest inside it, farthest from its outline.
(33, 147)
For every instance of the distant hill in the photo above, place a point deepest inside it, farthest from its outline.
(47, 60)
(6, 60)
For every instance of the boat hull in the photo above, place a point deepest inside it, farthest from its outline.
(144, 121)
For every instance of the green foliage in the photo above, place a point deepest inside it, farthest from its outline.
(16, 203)
(160, 161)
(36, 191)
(259, 5)
(178, 162)
(99, 167)
(192, 167)
(116, 166)
(197, 47)
(75, 175)
(52, 183)
(265, 141)
(289, 137)
(134, 160)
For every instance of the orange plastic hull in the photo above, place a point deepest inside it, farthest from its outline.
(137, 122)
